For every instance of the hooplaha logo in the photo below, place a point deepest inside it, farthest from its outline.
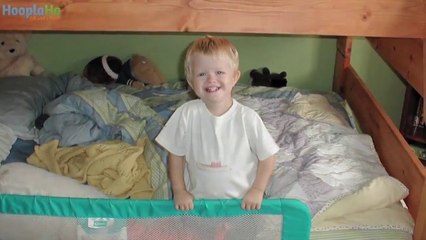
(34, 12)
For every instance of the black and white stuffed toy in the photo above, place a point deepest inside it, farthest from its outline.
(266, 78)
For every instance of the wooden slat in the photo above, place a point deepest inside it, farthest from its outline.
(343, 58)
(394, 152)
(420, 227)
(405, 56)
(397, 18)
(424, 79)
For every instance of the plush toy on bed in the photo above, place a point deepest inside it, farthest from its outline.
(137, 72)
(266, 78)
(14, 57)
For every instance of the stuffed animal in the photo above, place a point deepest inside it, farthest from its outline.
(266, 78)
(137, 72)
(103, 69)
(141, 69)
(14, 57)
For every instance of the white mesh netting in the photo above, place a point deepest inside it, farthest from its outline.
(22, 227)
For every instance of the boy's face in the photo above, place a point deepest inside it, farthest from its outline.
(213, 78)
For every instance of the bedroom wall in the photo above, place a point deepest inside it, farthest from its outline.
(309, 61)
(379, 77)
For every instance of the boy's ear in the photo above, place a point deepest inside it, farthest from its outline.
(237, 75)
(189, 83)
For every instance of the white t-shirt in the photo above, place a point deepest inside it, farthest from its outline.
(221, 152)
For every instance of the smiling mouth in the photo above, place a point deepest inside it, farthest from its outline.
(212, 89)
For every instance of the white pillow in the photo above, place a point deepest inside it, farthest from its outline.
(316, 107)
(394, 217)
(381, 192)
(25, 179)
(22, 178)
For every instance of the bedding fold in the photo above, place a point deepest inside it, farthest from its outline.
(98, 114)
(116, 168)
(7, 138)
(319, 161)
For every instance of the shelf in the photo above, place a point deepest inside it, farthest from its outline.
(420, 151)
(411, 126)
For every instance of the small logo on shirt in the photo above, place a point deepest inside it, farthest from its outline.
(213, 165)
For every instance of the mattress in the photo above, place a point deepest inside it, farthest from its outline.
(362, 234)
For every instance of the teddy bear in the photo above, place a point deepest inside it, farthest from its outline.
(14, 57)
(266, 78)
(136, 72)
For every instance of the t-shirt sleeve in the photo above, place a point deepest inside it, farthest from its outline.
(172, 136)
(261, 141)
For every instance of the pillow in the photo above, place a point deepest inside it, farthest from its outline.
(24, 179)
(381, 192)
(394, 217)
(23, 98)
(316, 107)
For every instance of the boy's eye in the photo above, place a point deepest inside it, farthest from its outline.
(220, 72)
(201, 74)
(2, 43)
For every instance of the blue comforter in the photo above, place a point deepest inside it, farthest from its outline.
(97, 114)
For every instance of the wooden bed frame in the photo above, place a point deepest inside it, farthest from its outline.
(397, 30)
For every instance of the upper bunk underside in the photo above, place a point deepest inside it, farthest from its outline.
(380, 18)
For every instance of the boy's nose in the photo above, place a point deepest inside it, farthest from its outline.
(211, 77)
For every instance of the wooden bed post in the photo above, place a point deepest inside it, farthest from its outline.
(424, 77)
(343, 59)
(420, 223)
(420, 227)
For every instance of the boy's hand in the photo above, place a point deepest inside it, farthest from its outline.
(253, 199)
(183, 200)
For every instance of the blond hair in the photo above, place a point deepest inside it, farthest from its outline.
(211, 46)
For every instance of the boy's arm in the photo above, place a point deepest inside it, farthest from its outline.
(254, 196)
(183, 199)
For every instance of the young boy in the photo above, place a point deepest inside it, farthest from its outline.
(217, 147)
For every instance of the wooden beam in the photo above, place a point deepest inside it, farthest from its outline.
(423, 93)
(343, 59)
(405, 56)
(420, 226)
(394, 152)
(400, 18)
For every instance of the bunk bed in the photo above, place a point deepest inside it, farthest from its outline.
(397, 30)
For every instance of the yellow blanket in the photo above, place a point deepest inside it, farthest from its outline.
(116, 168)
